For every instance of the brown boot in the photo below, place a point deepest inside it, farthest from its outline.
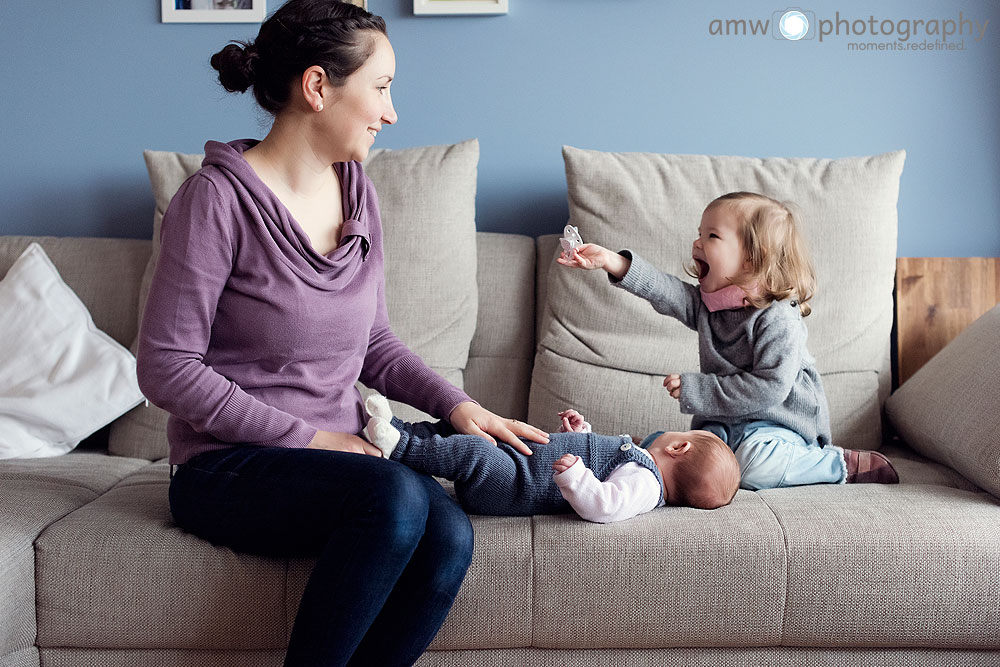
(868, 467)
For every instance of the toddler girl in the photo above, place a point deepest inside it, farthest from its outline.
(758, 389)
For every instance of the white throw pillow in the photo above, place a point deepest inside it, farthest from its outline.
(61, 378)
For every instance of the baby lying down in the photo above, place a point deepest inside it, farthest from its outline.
(602, 478)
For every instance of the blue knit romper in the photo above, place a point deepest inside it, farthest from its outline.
(499, 480)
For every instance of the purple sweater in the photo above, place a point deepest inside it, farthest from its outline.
(250, 337)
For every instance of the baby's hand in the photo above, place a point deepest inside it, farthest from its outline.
(588, 256)
(564, 463)
(673, 384)
(573, 422)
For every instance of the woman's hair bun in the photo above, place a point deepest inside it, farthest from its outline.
(235, 64)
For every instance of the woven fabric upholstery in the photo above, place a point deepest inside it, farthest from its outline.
(27, 507)
(87, 470)
(679, 657)
(24, 658)
(653, 204)
(90, 560)
(948, 411)
(916, 469)
(498, 372)
(166, 589)
(73, 657)
(692, 657)
(672, 577)
(900, 566)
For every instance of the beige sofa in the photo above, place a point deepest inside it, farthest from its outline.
(93, 571)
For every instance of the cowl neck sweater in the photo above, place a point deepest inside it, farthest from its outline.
(252, 337)
(278, 230)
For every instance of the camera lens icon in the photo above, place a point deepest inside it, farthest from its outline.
(793, 24)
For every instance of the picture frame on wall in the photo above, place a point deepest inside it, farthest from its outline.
(213, 11)
(456, 7)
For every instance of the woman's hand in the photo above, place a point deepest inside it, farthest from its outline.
(342, 442)
(473, 419)
(673, 384)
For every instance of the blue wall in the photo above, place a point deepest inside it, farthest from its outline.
(85, 87)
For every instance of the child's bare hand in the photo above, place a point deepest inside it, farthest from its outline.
(564, 463)
(673, 384)
(573, 422)
(588, 256)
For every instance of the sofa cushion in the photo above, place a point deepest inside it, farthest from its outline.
(593, 334)
(160, 587)
(61, 378)
(947, 410)
(498, 372)
(92, 471)
(874, 565)
(427, 199)
(671, 577)
(27, 507)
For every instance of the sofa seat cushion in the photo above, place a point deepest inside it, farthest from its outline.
(671, 577)
(93, 471)
(27, 506)
(652, 204)
(916, 469)
(155, 586)
(889, 566)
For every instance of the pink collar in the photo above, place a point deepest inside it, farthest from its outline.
(726, 298)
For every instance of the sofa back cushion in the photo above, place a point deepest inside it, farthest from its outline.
(596, 341)
(427, 199)
(947, 410)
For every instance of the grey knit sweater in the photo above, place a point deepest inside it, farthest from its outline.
(754, 362)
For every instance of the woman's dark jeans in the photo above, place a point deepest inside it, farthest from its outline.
(393, 546)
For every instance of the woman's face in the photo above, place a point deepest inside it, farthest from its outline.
(363, 104)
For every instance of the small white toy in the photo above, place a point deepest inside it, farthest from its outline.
(570, 239)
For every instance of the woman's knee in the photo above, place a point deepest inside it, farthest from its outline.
(449, 532)
(397, 503)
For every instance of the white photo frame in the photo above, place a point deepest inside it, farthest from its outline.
(453, 7)
(212, 11)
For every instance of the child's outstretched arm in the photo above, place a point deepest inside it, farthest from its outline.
(591, 256)
(666, 293)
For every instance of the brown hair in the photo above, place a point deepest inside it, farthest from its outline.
(335, 35)
(774, 247)
(708, 477)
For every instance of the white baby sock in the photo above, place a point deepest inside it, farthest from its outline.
(379, 431)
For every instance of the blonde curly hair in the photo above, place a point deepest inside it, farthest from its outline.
(779, 258)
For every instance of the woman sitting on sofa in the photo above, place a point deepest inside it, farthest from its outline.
(266, 306)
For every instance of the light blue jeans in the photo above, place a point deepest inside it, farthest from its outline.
(771, 456)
